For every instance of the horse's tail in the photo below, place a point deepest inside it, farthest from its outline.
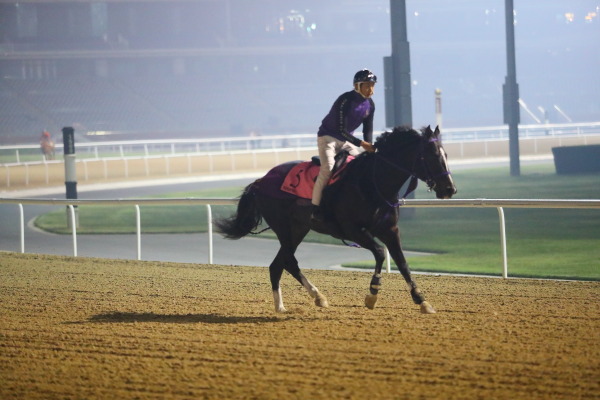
(246, 218)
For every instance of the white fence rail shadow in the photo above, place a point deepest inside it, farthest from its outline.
(462, 203)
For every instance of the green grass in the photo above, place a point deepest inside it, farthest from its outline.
(154, 219)
(554, 243)
(35, 155)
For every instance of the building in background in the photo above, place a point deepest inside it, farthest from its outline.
(211, 68)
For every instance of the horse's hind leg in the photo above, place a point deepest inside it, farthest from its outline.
(293, 268)
(286, 260)
(290, 225)
(290, 237)
(275, 271)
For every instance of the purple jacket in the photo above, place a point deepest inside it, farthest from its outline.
(347, 113)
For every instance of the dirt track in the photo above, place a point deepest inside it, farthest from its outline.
(104, 329)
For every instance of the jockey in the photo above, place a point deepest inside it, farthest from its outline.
(336, 132)
(45, 138)
(47, 145)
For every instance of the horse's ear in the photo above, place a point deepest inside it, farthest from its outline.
(437, 130)
(428, 130)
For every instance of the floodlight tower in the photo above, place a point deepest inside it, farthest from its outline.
(510, 92)
(396, 70)
(398, 100)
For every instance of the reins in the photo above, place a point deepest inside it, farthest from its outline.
(414, 180)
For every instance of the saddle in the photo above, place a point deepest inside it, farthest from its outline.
(300, 181)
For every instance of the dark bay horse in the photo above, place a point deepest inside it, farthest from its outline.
(361, 206)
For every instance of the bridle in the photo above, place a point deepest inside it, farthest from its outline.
(429, 177)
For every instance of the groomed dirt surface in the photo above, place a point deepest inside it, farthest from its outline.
(80, 328)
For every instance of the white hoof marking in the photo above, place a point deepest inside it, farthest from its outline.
(321, 301)
(427, 308)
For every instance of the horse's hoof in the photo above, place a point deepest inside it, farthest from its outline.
(427, 308)
(321, 301)
(370, 301)
(280, 310)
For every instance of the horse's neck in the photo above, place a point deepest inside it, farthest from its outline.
(389, 179)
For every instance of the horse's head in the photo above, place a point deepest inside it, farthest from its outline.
(418, 155)
(434, 166)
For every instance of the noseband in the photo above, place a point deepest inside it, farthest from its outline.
(430, 178)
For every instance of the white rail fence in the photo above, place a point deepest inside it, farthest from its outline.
(282, 141)
(46, 172)
(141, 166)
(208, 202)
(23, 165)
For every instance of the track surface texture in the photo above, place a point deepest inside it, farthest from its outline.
(82, 328)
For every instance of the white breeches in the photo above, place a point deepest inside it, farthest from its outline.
(328, 148)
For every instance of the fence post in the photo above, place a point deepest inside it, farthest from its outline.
(503, 243)
(138, 230)
(210, 233)
(73, 228)
(22, 219)
(85, 171)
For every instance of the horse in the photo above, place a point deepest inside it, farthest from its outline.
(361, 206)
(47, 147)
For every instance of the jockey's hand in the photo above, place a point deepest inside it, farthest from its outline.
(367, 146)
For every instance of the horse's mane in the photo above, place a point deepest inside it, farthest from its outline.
(397, 138)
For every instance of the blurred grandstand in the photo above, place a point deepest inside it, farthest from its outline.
(127, 69)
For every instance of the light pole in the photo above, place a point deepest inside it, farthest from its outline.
(511, 92)
(398, 95)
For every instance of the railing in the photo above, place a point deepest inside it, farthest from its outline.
(51, 172)
(29, 174)
(286, 141)
(464, 203)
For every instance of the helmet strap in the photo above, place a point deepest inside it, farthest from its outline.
(357, 89)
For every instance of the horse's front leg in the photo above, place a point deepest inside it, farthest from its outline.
(375, 285)
(365, 240)
(392, 240)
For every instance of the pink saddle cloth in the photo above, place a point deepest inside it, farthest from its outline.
(300, 181)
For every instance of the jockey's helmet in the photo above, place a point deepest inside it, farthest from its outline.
(364, 75)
